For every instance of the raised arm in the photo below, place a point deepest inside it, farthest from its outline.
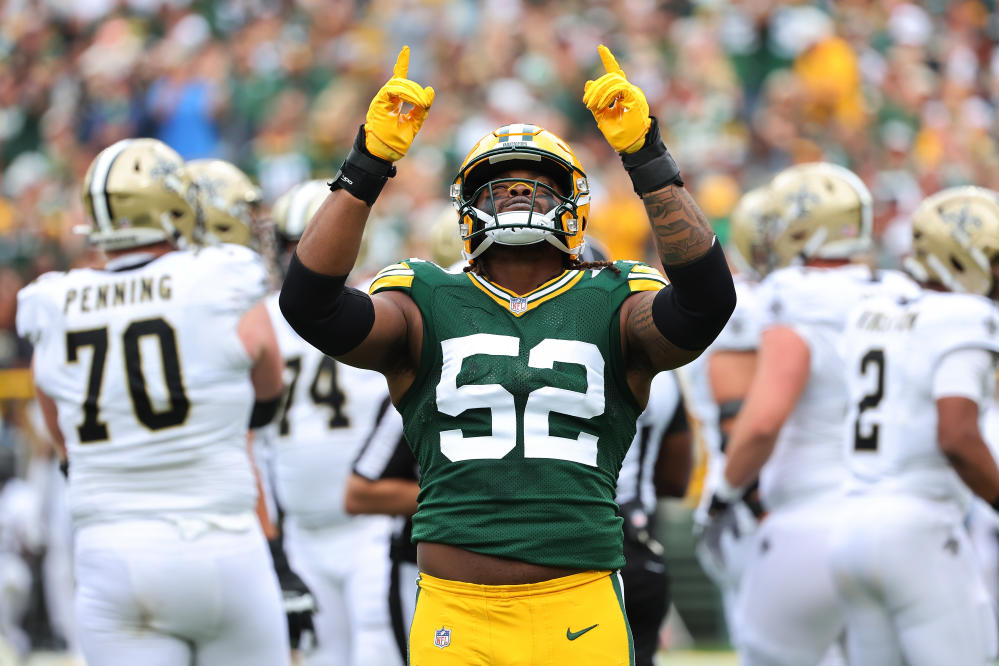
(339, 320)
(671, 327)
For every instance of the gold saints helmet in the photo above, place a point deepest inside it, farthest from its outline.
(822, 211)
(521, 147)
(228, 201)
(138, 192)
(445, 243)
(955, 239)
(751, 232)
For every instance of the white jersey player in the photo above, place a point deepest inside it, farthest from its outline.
(329, 411)
(715, 385)
(146, 372)
(229, 209)
(788, 430)
(921, 372)
(982, 521)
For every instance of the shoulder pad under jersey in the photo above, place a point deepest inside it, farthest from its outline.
(947, 322)
(641, 277)
(400, 276)
(233, 276)
(37, 306)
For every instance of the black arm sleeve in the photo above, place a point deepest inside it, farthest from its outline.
(331, 317)
(692, 311)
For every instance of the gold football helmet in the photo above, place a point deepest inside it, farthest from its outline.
(293, 209)
(138, 192)
(955, 239)
(227, 200)
(822, 211)
(521, 147)
(445, 243)
(751, 232)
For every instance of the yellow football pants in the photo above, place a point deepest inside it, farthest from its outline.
(577, 620)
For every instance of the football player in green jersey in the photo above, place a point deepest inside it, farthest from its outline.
(519, 380)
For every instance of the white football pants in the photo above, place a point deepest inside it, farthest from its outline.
(148, 594)
(347, 568)
(911, 586)
(788, 612)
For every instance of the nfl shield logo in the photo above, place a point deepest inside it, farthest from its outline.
(518, 305)
(442, 637)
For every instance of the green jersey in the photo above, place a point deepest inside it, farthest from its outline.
(520, 413)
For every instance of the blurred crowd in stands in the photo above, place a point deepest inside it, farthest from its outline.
(905, 94)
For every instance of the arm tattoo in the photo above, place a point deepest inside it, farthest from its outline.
(645, 334)
(682, 232)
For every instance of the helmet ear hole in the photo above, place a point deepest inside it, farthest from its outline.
(957, 265)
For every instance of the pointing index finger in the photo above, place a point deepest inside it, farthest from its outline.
(610, 63)
(401, 68)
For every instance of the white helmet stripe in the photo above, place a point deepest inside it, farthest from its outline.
(98, 183)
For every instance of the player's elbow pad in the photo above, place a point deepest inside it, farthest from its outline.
(331, 317)
(692, 311)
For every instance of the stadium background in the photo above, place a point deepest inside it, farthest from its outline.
(905, 95)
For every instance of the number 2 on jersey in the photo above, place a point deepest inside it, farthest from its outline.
(869, 441)
(93, 429)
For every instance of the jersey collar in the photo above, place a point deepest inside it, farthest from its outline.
(518, 304)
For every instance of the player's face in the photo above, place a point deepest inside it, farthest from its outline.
(516, 190)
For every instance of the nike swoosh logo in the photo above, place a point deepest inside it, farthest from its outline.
(573, 635)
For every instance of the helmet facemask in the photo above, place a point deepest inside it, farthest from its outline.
(556, 177)
(484, 226)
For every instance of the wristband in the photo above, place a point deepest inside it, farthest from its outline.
(651, 167)
(362, 174)
(726, 492)
(264, 411)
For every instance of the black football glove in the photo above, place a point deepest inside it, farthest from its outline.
(637, 528)
(299, 604)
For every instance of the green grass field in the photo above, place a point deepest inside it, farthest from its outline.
(697, 658)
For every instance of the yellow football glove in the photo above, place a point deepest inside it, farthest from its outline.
(388, 133)
(619, 107)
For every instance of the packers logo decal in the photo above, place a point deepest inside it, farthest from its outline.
(517, 133)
